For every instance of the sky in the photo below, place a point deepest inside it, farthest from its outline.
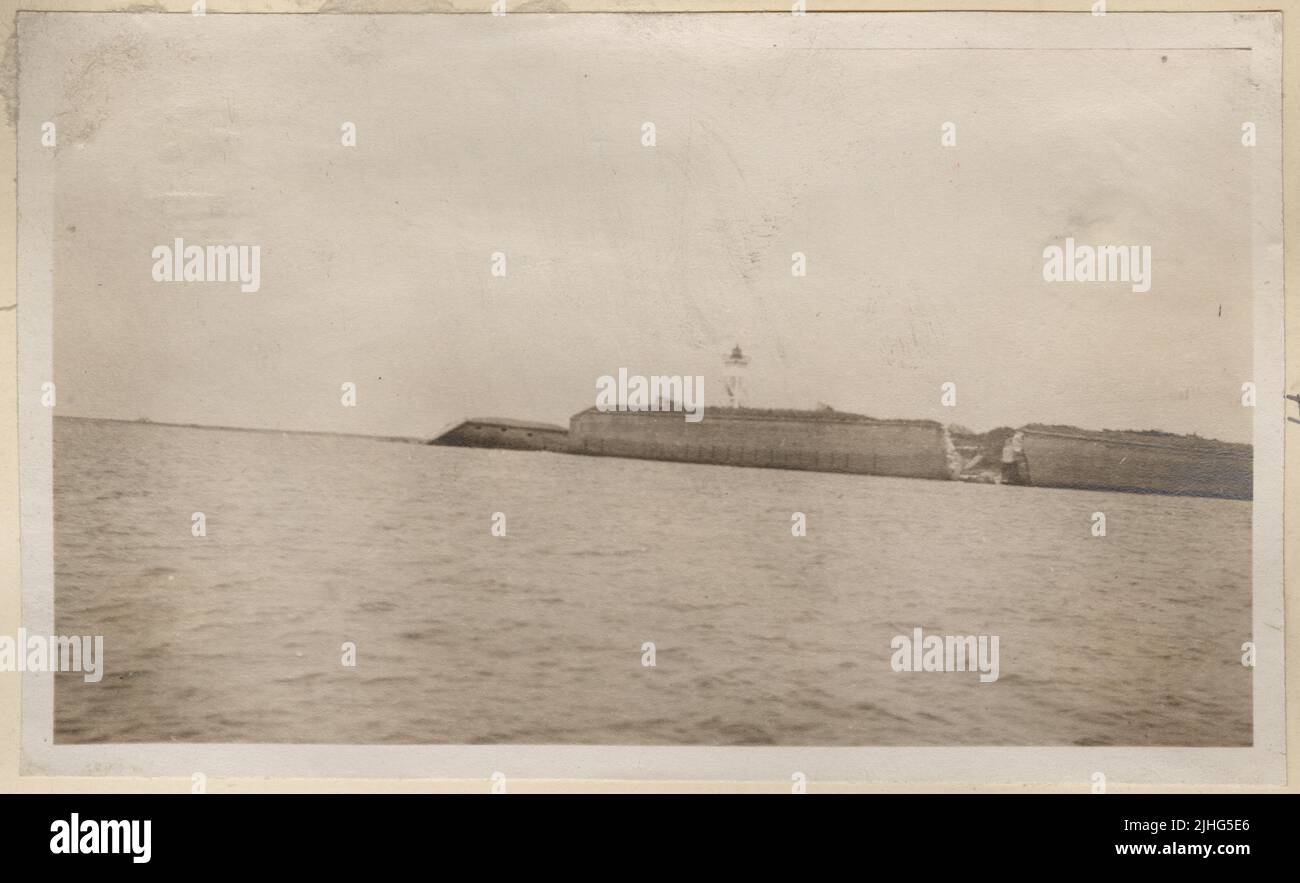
(523, 135)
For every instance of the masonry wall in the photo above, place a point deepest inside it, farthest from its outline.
(1190, 467)
(913, 449)
(486, 434)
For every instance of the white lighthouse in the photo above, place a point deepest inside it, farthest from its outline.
(735, 378)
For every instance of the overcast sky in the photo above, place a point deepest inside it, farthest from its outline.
(523, 135)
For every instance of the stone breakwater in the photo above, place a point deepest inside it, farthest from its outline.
(834, 441)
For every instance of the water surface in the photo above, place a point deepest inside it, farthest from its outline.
(761, 638)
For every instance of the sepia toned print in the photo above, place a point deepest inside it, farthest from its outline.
(650, 380)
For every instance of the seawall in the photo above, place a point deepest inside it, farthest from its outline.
(493, 432)
(822, 441)
(1137, 462)
(833, 441)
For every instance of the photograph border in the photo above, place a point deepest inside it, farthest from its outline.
(33, 762)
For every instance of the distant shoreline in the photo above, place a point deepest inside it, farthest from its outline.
(402, 439)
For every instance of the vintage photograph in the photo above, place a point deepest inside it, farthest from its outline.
(770, 380)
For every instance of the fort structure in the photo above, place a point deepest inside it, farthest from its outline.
(822, 441)
(826, 440)
(495, 432)
(1067, 457)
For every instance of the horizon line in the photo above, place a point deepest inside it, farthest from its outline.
(145, 421)
(422, 440)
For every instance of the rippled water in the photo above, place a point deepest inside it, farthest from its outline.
(760, 637)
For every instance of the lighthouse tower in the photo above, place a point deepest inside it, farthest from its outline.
(735, 378)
